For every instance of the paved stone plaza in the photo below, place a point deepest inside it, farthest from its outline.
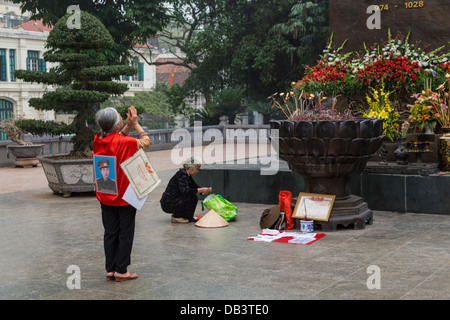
(42, 235)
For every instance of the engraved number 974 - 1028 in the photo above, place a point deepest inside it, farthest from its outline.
(408, 5)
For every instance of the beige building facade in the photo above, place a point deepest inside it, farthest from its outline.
(21, 49)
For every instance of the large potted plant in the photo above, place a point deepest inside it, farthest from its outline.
(83, 80)
(25, 152)
(425, 111)
(381, 106)
(326, 148)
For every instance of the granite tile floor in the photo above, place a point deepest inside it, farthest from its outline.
(43, 235)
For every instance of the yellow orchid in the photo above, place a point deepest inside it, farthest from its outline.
(380, 106)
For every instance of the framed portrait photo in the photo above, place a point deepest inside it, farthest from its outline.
(105, 174)
(313, 206)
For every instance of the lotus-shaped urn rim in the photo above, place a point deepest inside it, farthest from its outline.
(332, 148)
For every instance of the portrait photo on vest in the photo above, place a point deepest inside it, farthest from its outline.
(105, 174)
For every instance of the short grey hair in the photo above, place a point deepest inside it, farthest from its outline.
(192, 162)
(107, 119)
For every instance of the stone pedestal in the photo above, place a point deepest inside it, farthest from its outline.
(25, 154)
(26, 162)
(352, 213)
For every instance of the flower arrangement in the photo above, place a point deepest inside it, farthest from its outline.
(326, 77)
(442, 70)
(380, 106)
(398, 64)
(424, 112)
(442, 109)
(396, 73)
(332, 74)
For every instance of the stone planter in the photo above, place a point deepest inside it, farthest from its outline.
(326, 154)
(25, 154)
(67, 176)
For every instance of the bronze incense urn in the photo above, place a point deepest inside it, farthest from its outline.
(326, 154)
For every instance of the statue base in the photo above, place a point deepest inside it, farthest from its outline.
(351, 213)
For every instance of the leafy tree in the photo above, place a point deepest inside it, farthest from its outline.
(82, 76)
(176, 96)
(259, 45)
(258, 59)
(307, 29)
(128, 21)
(152, 105)
(233, 43)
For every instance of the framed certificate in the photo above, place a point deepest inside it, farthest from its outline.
(313, 206)
(141, 174)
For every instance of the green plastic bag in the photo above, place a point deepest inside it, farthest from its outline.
(223, 207)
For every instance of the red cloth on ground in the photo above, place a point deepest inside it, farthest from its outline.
(286, 239)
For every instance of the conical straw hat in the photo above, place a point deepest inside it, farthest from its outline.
(211, 220)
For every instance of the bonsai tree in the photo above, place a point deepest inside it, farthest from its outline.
(81, 75)
(14, 133)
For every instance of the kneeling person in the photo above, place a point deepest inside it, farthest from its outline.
(180, 197)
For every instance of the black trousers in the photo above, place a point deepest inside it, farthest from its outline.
(187, 210)
(119, 224)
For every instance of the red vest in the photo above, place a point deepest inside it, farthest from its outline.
(110, 152)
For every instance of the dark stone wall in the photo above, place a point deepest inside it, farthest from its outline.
(382, 192)
(429, 24)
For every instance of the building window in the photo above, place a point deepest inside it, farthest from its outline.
(140, 71)
(32, 60)
(12, 64)
(2, 64)
(140, 67)
(6, 109)
(34, 63)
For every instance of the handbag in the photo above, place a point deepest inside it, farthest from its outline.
(219, 204)
(280, 224)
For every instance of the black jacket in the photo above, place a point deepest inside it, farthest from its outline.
(180, 191)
